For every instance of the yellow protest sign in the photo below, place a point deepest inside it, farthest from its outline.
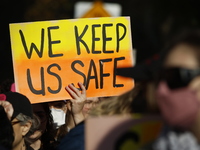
(48, 55)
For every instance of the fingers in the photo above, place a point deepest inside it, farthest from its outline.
(75, 93)
(82, 87)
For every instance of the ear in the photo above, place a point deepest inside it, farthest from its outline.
(68, 105)
(25, 128)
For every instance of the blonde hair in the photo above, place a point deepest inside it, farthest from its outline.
(116, 105)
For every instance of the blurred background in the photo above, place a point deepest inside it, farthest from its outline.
(152, 22)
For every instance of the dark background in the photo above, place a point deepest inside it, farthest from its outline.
(152, 22)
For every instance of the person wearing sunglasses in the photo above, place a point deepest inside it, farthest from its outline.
(178, 93)
(21, 118)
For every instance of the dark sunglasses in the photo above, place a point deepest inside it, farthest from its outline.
(178, 77)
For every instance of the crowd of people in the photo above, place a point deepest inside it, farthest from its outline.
(170, 89)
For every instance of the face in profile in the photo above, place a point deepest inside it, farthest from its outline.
(90, 103)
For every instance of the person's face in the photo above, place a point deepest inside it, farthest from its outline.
(89, 104)
(18, 133)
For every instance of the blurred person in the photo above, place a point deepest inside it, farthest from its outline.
(69, 120)
(139, 100)
(90, 103)
(117, 105)
(74, 139)
(178, 93)
(46, 132)
(22, 120)
(62, 118)
(6, 130)
(58, 112)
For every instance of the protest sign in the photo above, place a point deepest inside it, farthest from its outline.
(48, 55)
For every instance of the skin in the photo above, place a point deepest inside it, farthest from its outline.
(77, 101)
(89, 104)
(184, 56)
(19, 132)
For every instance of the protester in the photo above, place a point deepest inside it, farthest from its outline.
(45, 134)
(70, 123)
(62, 118)
(58, 111)
(139, 100)
(75, 139)
(117, 105)
(22, 120)
(178, 93)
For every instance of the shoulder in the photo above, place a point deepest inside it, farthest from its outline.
(74, 140)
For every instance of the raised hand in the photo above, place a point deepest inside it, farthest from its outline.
(77, 101)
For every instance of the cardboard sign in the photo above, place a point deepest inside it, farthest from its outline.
(49, 55)
(121, 132)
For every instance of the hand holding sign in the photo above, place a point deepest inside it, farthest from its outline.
(78, 100)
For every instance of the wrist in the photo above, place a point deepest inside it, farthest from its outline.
(79, 117)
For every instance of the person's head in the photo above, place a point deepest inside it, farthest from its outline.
(45, 131)
(58, 112)
(179, 85)
(181, 60)
(90, 103)
(22, 118)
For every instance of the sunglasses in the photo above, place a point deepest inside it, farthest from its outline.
(178, 77)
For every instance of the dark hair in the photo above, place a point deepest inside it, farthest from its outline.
(49, 133)
(190, 37)
(34, 127)
(6, 130)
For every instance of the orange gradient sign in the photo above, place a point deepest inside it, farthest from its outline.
(49, 55)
